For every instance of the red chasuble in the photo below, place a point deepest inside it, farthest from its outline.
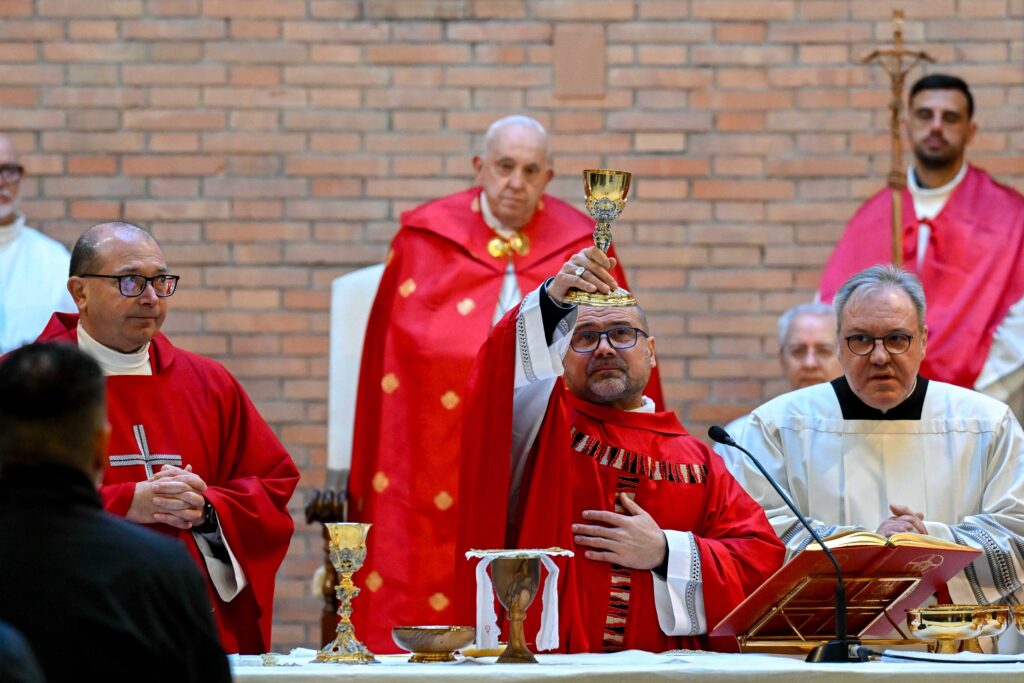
(584, 456)
(434, 308)
(191, 411)
(971, 273)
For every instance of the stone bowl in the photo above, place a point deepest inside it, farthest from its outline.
(432, 643)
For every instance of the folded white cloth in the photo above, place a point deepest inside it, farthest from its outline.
(487, 619)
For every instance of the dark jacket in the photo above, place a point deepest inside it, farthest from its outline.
(97, 597)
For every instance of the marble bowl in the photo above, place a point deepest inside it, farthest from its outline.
(432, 643)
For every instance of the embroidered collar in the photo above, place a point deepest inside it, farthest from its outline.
(855, 409)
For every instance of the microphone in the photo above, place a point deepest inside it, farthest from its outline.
(842, 649)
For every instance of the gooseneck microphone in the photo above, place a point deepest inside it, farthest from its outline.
(842, 649)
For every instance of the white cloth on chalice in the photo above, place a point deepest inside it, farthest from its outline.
(487, 619)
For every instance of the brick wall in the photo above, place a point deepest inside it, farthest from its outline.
(271, 144)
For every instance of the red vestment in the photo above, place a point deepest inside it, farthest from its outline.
(971, 271)
(192, 408)
(434, 308)
(585, 455)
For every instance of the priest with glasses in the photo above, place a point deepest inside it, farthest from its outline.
(189, 456)
(884, 448)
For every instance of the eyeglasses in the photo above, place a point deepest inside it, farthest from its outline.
(618, 337)
(864, 344)
(11, 173)
(134, 285)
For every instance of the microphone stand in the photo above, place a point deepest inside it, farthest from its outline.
(843, 648)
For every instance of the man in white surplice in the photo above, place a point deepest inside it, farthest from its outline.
(33, 267)
(884, 449)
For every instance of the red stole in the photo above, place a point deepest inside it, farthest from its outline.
(193, 412)
(971, 272)
(433, 309)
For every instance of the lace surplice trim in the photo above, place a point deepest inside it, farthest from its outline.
(637, 463)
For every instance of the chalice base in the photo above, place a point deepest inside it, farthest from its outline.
(346, 649)
(620, 297)
(516, 655)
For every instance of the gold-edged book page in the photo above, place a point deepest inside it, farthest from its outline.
(862, 537)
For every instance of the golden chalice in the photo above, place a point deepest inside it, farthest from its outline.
(606, 193)
(947, 625)
(516, 580)
(348, 552)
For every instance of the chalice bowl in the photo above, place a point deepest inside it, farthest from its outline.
(953, 627)
(348, 552)
(516, 580)
(606, 193)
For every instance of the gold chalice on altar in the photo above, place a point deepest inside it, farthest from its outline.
(947, 625)
(432, 643)
(606, 197)
(516, 580)
(347, 545)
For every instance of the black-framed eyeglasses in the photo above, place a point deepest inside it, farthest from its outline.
(894, 342)
(135, 285)
(11, 173)
(618, 337)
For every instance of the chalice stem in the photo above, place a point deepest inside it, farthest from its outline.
(603, 235)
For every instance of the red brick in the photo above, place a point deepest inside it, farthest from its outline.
(284, 9)
(73, 8)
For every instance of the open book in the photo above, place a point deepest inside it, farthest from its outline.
(884, 577)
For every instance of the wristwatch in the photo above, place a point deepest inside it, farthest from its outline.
(210, 524)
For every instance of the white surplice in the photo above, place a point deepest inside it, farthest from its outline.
(33, 283)
(961, 465)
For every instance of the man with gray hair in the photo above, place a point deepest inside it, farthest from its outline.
(807, 350)
(883, 448)
(456, 266)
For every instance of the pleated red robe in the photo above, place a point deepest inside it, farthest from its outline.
(193, 408)
(584, 456)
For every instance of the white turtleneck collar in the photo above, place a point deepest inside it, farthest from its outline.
(491, 220)
(114, 362)
(9, 233)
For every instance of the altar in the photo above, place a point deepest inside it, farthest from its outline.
(633, 666)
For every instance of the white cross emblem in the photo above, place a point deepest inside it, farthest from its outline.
(144, 457)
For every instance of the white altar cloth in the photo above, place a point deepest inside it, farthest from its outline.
(633, 666)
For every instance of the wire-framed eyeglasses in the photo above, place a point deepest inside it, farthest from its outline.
(619, 338)
(135, 285)
(11, 173)
(864, 344)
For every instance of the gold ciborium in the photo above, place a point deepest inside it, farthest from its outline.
(606, 193)
(516, 580)
(348, 552)
(948, 625)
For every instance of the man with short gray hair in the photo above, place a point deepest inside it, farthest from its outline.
(883, 448)
(807, 351)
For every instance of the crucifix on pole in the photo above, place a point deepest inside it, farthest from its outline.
(897, 62)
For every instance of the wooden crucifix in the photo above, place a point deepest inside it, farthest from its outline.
(897, 62)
